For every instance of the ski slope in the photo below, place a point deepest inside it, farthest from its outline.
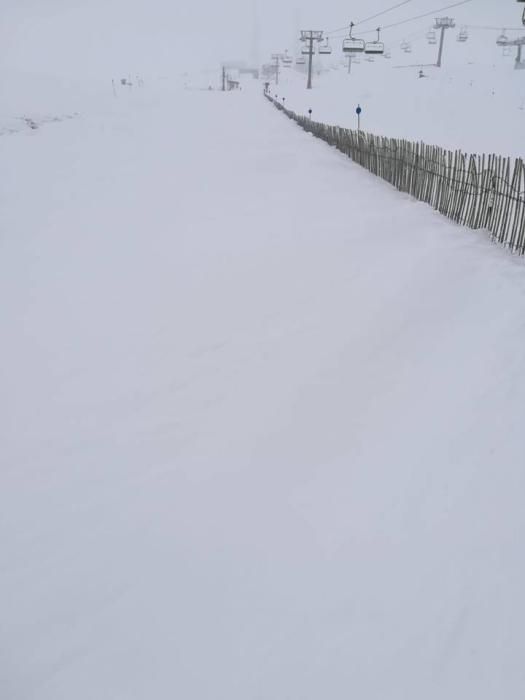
(476, 108)
(261, 419)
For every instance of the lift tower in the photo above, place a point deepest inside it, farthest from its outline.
(308, 36)
(442, 23)
(277, 57)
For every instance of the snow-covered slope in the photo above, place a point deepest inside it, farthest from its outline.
(475, 108)
(261, 419)
(28, 100)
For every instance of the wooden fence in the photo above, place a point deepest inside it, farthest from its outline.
(485, 191)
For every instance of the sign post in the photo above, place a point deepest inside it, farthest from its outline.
(358, 112)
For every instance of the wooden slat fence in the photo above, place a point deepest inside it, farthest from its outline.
(478, 191)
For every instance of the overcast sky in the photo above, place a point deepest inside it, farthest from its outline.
(106, 37)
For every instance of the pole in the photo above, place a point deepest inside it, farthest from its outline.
(349, 64)
(277, 70)
(224, 79)
(358, 112)
(441, 44)
(443, 23)
(309, 36)
(310, 60)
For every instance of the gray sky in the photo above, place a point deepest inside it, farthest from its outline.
(106, 37)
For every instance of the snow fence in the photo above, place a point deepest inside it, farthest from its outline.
(478, 191)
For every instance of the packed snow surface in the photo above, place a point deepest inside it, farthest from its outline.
(261, 419)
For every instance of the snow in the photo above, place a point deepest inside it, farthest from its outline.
(476, 108)
(261, 418)
(42, 98)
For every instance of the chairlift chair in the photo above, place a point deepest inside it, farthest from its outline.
(375, 47)
(351, 45)
(370, 59)
(300, 61)
(463, 35)
(431, 36)
(325, 49)
(287, 60)
(306, 50)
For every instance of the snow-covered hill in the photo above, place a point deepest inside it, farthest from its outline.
(475, 108)
(261, 425)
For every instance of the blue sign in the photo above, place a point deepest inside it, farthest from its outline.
(358, 110)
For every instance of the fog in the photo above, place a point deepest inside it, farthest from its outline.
(103, 37)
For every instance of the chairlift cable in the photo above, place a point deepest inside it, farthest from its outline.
(367, 19)
(394, 7)
(495, 29)
(404, 21)
(427, 14)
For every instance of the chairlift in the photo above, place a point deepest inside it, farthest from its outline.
(503, 39)
(325, 49)
(405, 46)
(287, 60)
(375, 47)
(431, 36)
(387, 54)
(370, 59)
(300, 61)
(351, 45)
(306, 50)
(463, 35)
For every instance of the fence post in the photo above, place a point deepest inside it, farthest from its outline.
(482, 195)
